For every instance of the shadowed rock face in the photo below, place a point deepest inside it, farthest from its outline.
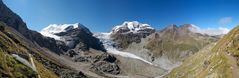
(11, 19)
(80, 38)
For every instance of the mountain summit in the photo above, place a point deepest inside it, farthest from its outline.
(134, 26)
(130, 32)
(53, 29)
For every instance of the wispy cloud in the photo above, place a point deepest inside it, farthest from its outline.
(210, 31)
(221, 29)
(225, 20)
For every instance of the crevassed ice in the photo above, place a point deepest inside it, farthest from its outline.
(108, 44)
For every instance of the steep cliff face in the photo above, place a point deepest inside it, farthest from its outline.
(218, 60)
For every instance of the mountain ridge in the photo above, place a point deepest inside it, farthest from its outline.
(220, 60)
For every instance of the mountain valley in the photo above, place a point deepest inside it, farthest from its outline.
(130, 50)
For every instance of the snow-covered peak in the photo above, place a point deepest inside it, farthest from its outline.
(56, 28)
(133, 26)
(52, 29)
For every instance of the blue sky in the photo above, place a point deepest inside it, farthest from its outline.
(102, 15)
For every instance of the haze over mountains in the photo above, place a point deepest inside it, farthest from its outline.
(129, 50)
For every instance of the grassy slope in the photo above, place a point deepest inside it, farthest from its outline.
(15, 45)
(44, 72)
(173, 44)
(219, 61)
(9, 67)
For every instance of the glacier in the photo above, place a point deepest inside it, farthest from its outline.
(108, 44)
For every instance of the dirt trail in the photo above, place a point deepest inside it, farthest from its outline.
(33, 64)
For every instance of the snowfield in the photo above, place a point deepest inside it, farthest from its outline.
(126, 54)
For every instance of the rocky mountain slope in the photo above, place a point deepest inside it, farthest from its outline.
(218, 60)
(79, 54)
(166, 48)
(75, 36)
(82, 48)
(14, 21)
(131, 64)
(177, 42)
(130, 50)
(12, 43)
(97, 61)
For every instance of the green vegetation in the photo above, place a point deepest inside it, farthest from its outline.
(11, 43)
(9, 67)
(176, 47)
(44, 72)
(214, 61)
(203, 64)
